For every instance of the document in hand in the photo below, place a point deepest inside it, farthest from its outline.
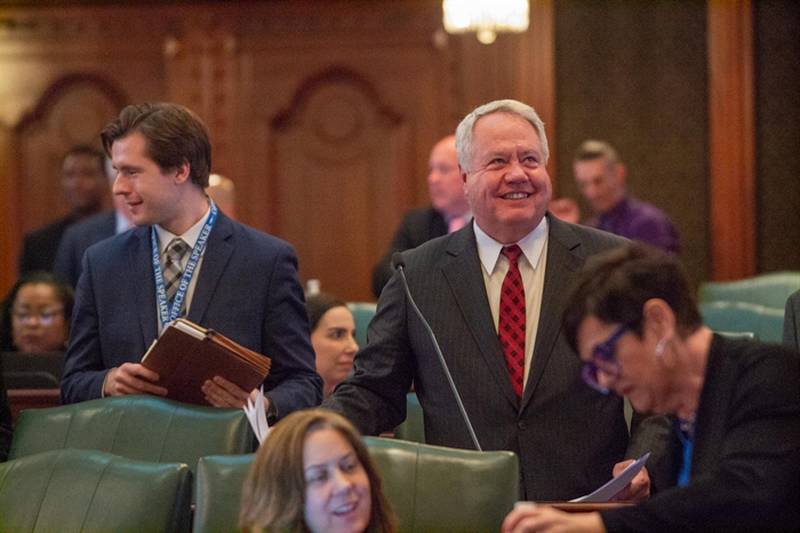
(616, 484)
(186, 355)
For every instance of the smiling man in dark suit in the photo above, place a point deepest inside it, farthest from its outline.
(229, 277)
(492, 293)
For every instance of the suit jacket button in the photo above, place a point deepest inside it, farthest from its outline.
(522, 425)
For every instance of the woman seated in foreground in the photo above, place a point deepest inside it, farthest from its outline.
(313, 473)
(36, 314)
(333, 338)
(633, 320)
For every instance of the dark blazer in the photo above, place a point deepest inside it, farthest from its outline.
(418, 226)
(791, 322)
(745, 473)
(247, 289)
(77, 239)
(40, 246)
(567, 436)
(5, 420)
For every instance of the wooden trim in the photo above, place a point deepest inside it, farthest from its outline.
(535, 79)
(731, 139)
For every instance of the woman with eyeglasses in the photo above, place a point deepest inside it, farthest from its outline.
(735, 404)
(35, 315)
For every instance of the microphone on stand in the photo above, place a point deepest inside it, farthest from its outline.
(399, 265)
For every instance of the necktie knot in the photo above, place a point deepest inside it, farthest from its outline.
(177, 249)
(512, 253)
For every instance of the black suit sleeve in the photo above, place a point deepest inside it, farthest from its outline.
(790, 322)
(5, 421)
(402, 240)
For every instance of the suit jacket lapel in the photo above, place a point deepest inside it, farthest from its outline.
(218, 252)
(143, 284)
(563, 261)
(463, 272)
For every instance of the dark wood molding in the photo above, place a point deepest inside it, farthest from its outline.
(732, 164)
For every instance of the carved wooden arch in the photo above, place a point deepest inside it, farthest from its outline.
(338, 172)
(284, 119)
(53, 93)
(39, 144)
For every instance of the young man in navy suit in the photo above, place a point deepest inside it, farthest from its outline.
(185, 258)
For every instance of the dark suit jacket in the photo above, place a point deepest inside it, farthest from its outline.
(745, 472)
(5, 420)
(791, 322)
(418, 226)
(77, 239)
(567, 436)
(247, 290)
(40, 246)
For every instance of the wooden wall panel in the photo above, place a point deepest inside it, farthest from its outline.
(731, 139)
(634, 74)
(777, 78)
(71, 112)
(339, 159)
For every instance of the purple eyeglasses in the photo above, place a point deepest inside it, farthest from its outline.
(603, 359)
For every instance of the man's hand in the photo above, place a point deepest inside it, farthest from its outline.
(131, 378)
(637, 490)
(220, 392)
(527, 517)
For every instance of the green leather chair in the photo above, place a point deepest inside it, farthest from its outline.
(431, 488)
(362, 315)
(218, 489)
(413, 429)
(765, 323)
(147, 428)
(770, 290)
(88, 491)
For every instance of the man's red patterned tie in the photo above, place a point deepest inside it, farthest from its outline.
(511, 326)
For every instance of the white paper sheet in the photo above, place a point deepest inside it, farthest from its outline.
(257, 416)
(616, 484)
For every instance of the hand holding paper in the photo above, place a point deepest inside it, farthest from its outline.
(608, 491)
(256, 411)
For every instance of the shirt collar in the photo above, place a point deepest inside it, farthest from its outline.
(190, 236)
(531, 245)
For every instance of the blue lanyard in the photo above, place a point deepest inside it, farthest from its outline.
(685, 432)
(165, 314)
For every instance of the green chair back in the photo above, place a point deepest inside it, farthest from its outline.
(413, 428)
(88, 491)
(765, 323)
(218, 491)
(770, 290)
(146, 428)
(362, 315)
(431, 488)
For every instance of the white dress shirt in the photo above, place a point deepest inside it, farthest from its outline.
(190, 237)
(532, 264)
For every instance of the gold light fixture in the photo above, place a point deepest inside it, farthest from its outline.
(485, 17)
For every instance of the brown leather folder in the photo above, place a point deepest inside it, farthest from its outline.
(186, 355)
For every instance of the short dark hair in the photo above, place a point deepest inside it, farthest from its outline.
(89, 151)
(174, 134)
(63, 292)
(615, 285)
(319, 304)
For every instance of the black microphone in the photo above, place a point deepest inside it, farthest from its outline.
(400, 265)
